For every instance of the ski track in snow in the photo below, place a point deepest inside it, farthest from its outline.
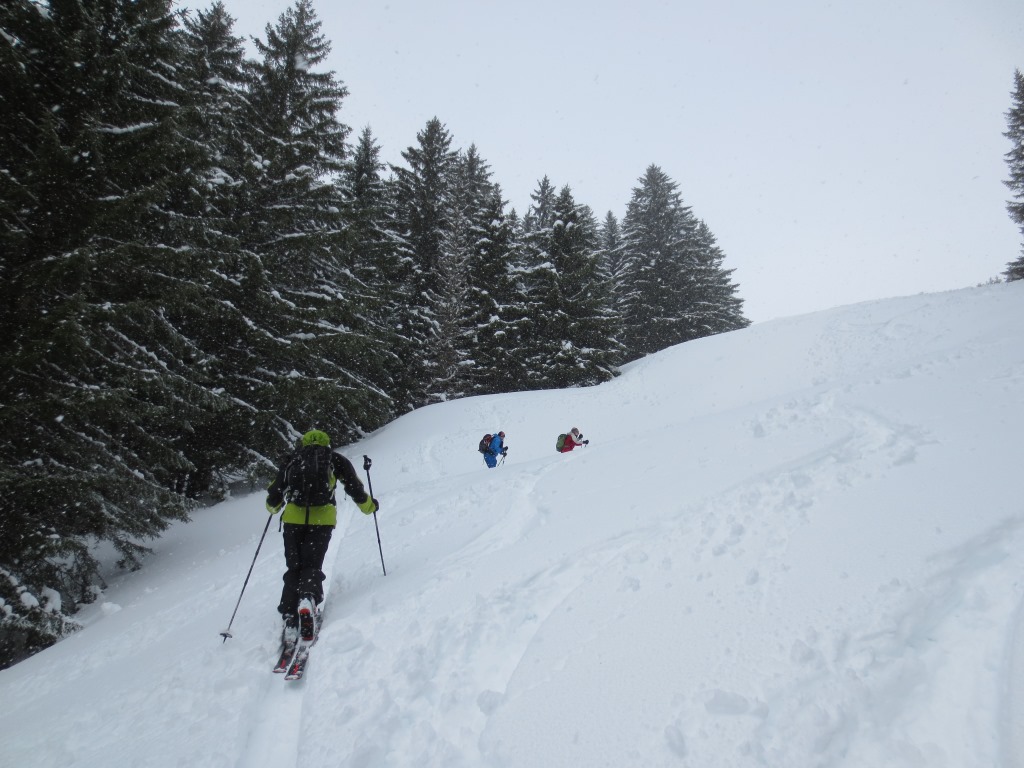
(277, 722)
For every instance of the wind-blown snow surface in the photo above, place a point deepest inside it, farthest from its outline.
(795, 545)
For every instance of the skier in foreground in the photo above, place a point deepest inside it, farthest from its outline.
(304, 488)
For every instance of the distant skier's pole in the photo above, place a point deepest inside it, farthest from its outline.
(369, 485)
(227, 632)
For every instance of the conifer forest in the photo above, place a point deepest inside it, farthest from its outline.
(199, 260)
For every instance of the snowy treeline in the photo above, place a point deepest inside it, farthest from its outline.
(199, 261)
(1015, 162)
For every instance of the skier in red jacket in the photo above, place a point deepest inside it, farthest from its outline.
(573, 438)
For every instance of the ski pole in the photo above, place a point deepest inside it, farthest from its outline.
(369, 484)
(227, 632)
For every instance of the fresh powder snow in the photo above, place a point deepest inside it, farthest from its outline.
(796, 545)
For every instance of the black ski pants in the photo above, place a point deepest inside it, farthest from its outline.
(305, 547)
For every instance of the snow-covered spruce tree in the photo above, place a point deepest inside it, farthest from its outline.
(672, 288)
(537, 281)
(716, 307)
(573, 324)
(23, 115)
(24, 119)
(225, 342)
(213, 71)
(505, 341)
(372, 254)
(1015, 161)
(472, 240)
(541, 213)
(469, 187)
(585, 323)
(304, 302)
(535, 276)
(612, 255)
(658, 233)
(434, 274)
(491, 304)
(611, 250)
(96, 382)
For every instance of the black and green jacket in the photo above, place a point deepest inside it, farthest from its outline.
(326, 514)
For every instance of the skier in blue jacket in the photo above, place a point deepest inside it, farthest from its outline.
(497, 448)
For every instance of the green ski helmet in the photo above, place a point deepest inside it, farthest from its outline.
(316, 437)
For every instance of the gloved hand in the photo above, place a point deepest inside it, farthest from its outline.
(586, 442)
(369, 506)
(504, 451)
(272, 509)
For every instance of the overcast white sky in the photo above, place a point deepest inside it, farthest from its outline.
(840, 151)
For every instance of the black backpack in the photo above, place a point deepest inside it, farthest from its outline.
(485, 444)
(307, 478)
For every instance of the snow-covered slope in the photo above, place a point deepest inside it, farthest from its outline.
(795, 545)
